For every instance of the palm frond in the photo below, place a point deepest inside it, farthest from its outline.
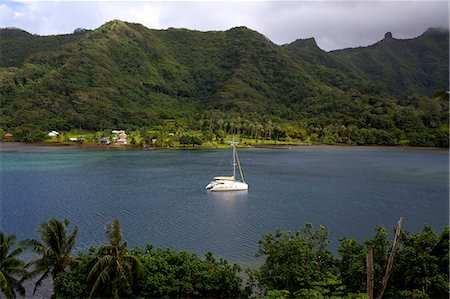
(5, 287)
(102, 262)
(70, 241)
(10, 267)
(15, 252)
(136, 262)
(54, 235)
(5, 243)
(35, 245)
(20, 289)
(34, 273)
(40, 280)
(18, 270)
(103, 277)
(114, 233)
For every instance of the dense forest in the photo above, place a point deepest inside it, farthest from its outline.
(125, 76)
(295, 264)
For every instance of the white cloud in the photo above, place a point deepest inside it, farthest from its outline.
(334, 24)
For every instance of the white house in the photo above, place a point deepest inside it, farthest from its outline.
(53, 134)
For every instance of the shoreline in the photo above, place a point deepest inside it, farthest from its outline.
(22, 146)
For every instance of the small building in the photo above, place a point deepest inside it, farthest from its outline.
(53, 134)
(122, 141)
(104, 140)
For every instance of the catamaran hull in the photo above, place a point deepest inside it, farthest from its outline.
(228, 186)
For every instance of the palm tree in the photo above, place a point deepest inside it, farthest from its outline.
(12, 270)
(114, 269)
(55, 250)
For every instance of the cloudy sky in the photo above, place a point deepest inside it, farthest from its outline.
(334, 24)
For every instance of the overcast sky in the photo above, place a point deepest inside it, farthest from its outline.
(334, 24)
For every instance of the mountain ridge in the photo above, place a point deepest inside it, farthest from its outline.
(428, 31)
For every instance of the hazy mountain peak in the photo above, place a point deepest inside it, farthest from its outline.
(309, 43)
(436, 31)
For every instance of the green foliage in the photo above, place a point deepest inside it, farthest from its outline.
(237, 82)
(420, 267)
(277, 294)
(297, 262)
(74, 283)
(194, 140)
(297, 265)
(352, 264)
(55, 250)
(353, 267)
(18, 45)
(12, 269)
(29, 133)
(114, 271)
(422, 263)
(185, 139)
(182, 274)
(291, 268)
(166, 273)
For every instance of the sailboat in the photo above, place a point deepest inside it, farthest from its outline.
(229, 183)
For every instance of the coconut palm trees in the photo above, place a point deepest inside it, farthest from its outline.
(11, 269)
(114, 269)
(55, 250)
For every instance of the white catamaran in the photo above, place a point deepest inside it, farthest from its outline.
(229, 183)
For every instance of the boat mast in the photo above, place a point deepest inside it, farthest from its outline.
(233, 144)
(234, 162)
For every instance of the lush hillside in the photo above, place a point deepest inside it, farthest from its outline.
(396, 67)
(237, 81)
(404, 66)
(17, 45)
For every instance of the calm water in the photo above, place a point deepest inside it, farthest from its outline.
(159, 196)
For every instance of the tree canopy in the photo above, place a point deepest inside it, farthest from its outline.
(296, 264)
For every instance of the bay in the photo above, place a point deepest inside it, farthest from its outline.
(159, 196)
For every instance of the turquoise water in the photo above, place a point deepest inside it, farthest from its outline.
(159, 196)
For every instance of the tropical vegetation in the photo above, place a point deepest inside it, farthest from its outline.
(179, 84)
(12, 269)
(55, 250)
(296, 264)
(114, 270)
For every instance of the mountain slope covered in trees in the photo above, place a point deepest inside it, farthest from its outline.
(237, 81)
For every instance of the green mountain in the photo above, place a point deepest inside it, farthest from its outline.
(398, 67)
(125, 75)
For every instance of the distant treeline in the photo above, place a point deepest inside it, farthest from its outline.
(297, 264)
(390, 124)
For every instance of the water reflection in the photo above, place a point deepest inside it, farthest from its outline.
(228, 202)
(229, 196)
